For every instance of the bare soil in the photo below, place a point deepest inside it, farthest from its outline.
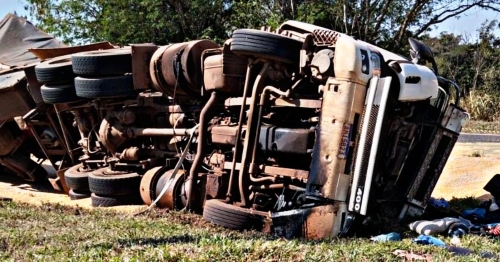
(37, 194)
(469, 168)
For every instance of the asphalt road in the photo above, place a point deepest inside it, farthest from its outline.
(475, 138)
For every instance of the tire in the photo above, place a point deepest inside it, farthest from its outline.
(56, 70)
(231, 216)
(76, 195)
(106, 87)
(251, 42)
(103, 62)
(109, 183)
(76, 179)
(109, 201)
(57, 94)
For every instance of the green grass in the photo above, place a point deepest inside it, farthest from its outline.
(57, 233)
(464, 203)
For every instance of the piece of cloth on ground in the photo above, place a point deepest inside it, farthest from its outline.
(393, 236)
(493, 207)
(475, 217)
(436, 226)
(458, 230)
(474, 214)
(491, 225)
(429, 240)
(466, 222)
(439, 203)
(495, 230)
(460, 251)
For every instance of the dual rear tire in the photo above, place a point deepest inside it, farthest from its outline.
(112, 188)
(93, 74)
(104, 73)
(106, 188)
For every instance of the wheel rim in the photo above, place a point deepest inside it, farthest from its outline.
(175, 195)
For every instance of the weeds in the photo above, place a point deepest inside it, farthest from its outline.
(477, 153)
(58, 233)
(464, 203)
(482, 126)
(483, 105)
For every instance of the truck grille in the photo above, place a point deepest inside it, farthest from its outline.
(368, 145)
(325, 37)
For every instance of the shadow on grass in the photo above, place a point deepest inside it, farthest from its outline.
(179, 239)
(174, 239)
(145, 242)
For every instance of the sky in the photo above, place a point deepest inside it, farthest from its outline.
(467, 24)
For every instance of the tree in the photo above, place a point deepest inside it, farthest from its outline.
(391, 22)
(474, 66)
(130, 21)
(387, 23)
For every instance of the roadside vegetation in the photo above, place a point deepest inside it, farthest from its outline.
(58, 233)
(482, 126)
(471, 59)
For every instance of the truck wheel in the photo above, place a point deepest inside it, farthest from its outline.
(103, 62)
(109, 201)
(231, 216)
(76, 178)
(106, 87)
(260, 44)
(148, 184)
(111, 183)
(61, 93)
(56, 70)
(76, 195)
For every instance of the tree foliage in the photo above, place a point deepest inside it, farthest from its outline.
(474, 66)
(386, 23)
(130, 21)
(382, 22)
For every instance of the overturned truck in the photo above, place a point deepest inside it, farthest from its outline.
(302, 131)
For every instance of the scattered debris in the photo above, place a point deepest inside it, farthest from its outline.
(458, 229)
(433, 227)
(439, 203)
(495, 230)
(393, 236)
(412, 256)
(429, 240)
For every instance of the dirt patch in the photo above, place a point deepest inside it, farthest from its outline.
(37, 194)
(469, 168)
